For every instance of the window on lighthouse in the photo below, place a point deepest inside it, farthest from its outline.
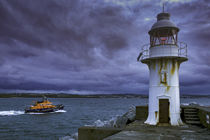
(163, 77)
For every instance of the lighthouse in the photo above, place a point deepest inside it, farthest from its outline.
(163, 56)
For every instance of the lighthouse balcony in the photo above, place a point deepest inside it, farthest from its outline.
(178, 51)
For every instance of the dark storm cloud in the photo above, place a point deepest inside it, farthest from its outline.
(193, 19)
(70, 27)
(90, 45)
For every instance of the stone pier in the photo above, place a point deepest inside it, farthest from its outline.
(196, 127)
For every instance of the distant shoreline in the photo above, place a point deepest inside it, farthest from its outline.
(64, 95)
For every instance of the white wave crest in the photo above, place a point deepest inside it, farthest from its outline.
(11, 113)
(192, 104)
(118, 121)
(109, 123)
(71, 137)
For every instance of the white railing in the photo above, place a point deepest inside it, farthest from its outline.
(182, 49)
(144, 54)
(145, 51)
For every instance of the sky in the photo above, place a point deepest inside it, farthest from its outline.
(91, 46)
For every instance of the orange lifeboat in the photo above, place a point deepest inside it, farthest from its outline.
(43, 106)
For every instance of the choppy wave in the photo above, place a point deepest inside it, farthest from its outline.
(11, 113)
(192, 103)
(71, 137)
(117, 122)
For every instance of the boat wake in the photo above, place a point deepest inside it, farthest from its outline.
(60, 111)
(14, 113)
(11, 113)
(34, 113)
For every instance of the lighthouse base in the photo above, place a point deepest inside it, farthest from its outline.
(174, 120)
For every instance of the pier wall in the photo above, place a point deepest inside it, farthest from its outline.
(141, 112)
(96, 133)
(204, 115)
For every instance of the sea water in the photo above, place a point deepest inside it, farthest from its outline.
(15, 124)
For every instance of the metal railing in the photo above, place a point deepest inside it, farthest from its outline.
(182, 49)
(145, 51)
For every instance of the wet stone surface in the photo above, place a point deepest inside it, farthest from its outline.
(140, 131)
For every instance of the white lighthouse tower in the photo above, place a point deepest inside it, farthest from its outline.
(163, 56)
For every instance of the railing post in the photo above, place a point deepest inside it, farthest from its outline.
(145, 51)
(186, 50)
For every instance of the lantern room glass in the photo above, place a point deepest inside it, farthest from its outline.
(165, 36)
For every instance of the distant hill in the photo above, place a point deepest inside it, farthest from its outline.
(64, 95)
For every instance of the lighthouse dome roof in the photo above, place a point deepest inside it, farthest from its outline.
(163, 21)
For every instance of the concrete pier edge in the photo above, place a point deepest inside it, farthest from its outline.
(100, 133)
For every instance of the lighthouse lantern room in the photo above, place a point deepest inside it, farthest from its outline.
(163, 57)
